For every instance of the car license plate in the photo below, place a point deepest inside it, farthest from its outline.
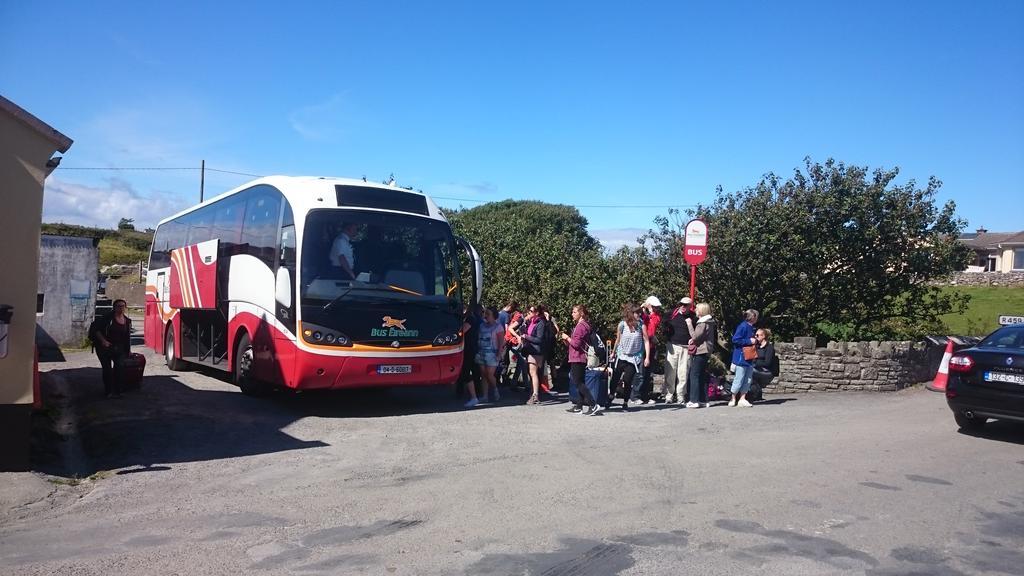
(394, 369)
(1000, 377)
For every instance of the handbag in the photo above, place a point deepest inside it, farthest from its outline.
(691, 349)
(749, 353)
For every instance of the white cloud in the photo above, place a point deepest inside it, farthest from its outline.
(105, 205)
(322, 121)
(483, 191)
(169, 132)
(614, 238)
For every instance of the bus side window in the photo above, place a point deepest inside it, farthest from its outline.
(176, 235)
(287, 256)
(262, 210)
(227, 223)
(161, 256)
(199, 223)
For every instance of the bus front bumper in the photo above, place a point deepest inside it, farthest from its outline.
(323, 372)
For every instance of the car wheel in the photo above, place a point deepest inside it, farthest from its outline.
(173, 363)
(244, 379)
(966, 422)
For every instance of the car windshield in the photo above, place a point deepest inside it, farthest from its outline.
(1006, 337)
(353, 254)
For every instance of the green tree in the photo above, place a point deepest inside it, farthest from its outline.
(535, 252)
(126, 224)
(834, 251)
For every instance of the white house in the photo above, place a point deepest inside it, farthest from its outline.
(995, 251)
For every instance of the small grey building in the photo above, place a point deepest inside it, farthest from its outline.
(66, 300)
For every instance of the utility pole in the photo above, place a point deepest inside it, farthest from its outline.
(202, 180)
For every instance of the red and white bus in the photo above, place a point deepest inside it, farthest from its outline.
(251, 282)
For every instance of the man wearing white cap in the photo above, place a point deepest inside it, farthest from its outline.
(678, 328)
(652, 324)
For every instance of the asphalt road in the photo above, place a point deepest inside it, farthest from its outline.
(203, 480)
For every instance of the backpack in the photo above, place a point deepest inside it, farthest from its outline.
(597, 348)
(510, 334)
(547, 343)
(95, 327)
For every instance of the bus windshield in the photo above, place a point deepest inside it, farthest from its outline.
(354, 255)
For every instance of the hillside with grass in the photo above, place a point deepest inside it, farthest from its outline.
(123, 245)
(986, 304)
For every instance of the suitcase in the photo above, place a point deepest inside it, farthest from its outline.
(597, 382)
(132, 368)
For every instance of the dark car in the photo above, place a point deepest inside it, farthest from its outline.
(987, 381)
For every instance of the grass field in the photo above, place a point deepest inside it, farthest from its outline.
(987, 304)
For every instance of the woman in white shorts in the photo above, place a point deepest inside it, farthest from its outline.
(490, 344)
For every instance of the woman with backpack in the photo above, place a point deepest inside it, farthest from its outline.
(533, 346)
(701, 346)
(578, 344)
(111, 335)
(631, 344)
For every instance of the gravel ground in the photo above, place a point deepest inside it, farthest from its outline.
(188, 476)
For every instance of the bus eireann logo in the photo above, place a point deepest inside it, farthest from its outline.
(390, 322)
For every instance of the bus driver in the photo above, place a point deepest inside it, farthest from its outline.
(341, 251)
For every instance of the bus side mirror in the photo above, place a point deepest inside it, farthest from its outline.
(287, 256)
(283, 291)
(6, 313)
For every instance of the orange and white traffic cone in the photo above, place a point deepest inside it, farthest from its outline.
(942, 376)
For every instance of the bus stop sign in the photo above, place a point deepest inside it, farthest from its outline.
(695, 244)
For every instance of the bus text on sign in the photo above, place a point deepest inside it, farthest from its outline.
(695, 245)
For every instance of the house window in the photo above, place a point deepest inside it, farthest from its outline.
(39, 303)
(1018, 259)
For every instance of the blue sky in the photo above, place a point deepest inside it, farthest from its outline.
(589, 103)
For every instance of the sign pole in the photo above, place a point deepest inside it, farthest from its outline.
(693, 283)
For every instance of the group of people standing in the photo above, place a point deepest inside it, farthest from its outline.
(494, 339)
(689, 332)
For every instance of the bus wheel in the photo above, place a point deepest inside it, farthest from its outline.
(244, 378)
(173, 363)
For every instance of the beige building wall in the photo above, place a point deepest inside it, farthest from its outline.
(26, 146)
(23, 157)
(1006, 260)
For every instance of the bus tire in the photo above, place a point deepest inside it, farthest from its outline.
(244, 379)
(174, 363)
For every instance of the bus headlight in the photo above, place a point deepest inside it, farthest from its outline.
(447, 338)
(315, 334)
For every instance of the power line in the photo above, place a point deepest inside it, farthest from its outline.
(471, 200)
(232, 172)
(478, 201)
(121, 169)
(118, 168)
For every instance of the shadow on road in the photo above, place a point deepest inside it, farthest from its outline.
(164, 422)
(774, 401)
(1001, 431)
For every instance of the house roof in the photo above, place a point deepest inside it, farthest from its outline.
(991, 240)
(59, 141)
(1017, 238)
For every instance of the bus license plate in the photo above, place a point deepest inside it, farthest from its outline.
(394, 369)
(1000, 377)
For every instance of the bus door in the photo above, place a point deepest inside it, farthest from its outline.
(477, 268)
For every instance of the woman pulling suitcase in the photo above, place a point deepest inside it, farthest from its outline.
(111, 336)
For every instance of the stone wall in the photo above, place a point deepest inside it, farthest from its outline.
(127, 289)
(67, 286)
(867, 366)
(1015, 279)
